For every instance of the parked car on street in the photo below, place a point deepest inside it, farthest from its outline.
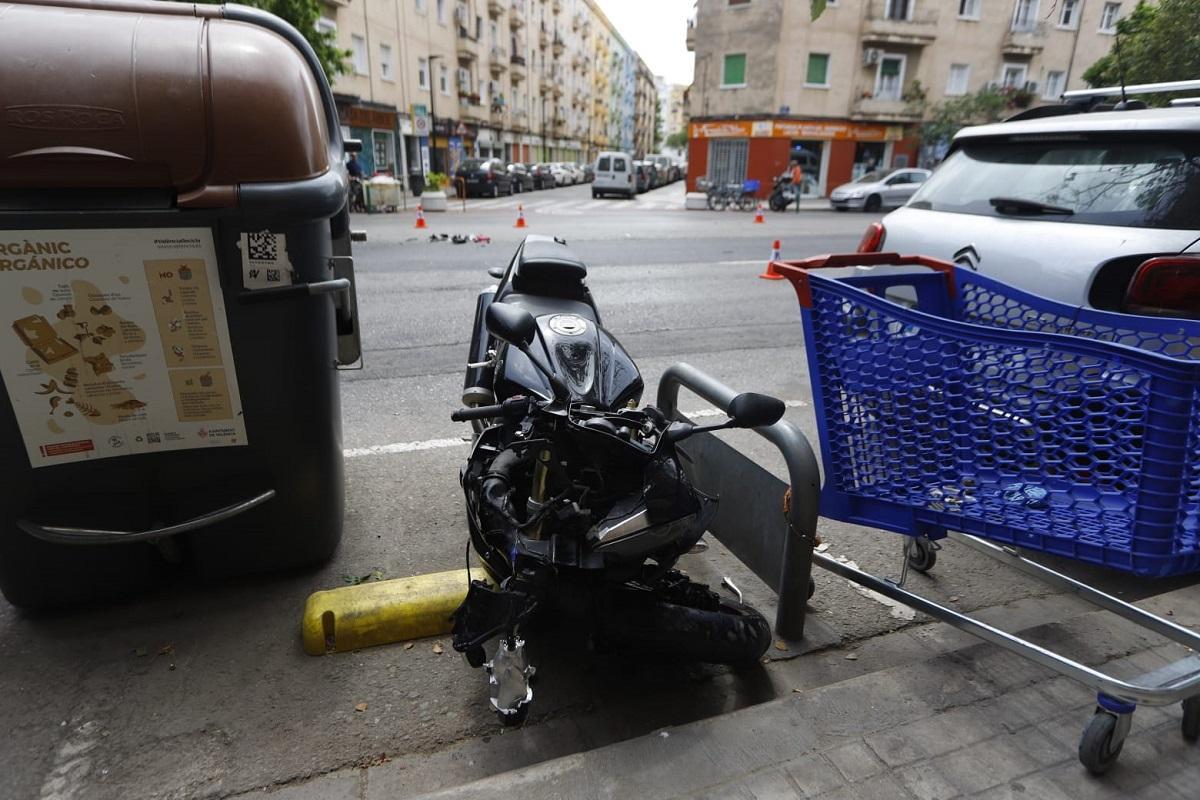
(656, 178)
(522, 180)
(1099, 208)
(877, 190)
(589, 172)
(485, 177)
(667, 173)
(561, 176)
(543, 178)
(641, 176)
(614, 175)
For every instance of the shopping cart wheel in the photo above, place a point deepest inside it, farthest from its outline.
(922, 555)
(1191, 719)
(1102, 741)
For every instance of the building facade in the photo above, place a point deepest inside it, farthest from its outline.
(843, 94)
(432, 82)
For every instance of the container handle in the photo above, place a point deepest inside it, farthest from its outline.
(797, 271)
(62, 535)
(283, 292)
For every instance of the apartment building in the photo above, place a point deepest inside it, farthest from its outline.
(844, 94)
(435, 81)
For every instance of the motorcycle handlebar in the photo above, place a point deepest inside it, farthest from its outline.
(512, 407)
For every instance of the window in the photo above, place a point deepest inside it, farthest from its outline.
(441, 11)
(734, 72)
(960, 77)
(385, 62)
(889, 79)
(1025, 15)
(325, 25)
(444, 79)
(604, 164)
(1068, 15)
(464, 81)
(358, 54)
(899, 9)
(818, 70)
(1109, 16)
(1055, 81)
(422, 73)
(739, 2)
(420, 4)
(1013, 76)
(968, 9)
(383, 150)
(619, 165)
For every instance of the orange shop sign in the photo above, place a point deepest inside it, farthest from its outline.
(795, 129)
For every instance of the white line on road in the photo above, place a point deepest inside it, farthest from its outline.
(438, 444)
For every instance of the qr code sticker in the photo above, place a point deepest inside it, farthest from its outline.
(263, 246)
(273, 276)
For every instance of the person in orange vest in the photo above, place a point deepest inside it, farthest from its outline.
(797, 181)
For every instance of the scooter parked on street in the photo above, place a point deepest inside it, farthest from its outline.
(577, 504)
(783, 193)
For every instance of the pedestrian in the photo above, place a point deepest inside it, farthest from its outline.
(353, 167)
(358, 202)
(797, 181)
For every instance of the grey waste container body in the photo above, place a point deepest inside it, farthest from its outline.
(273, 498)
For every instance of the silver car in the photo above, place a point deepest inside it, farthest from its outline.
(1080, 208)
(875, 190)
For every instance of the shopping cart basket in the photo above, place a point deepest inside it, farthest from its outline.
(949, 400)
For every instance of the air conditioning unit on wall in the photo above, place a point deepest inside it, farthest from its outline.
(870, 56)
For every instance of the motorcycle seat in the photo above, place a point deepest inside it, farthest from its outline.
(547, 267)
(540, 305)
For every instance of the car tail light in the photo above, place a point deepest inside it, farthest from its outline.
(872, 238)
(1169, 285)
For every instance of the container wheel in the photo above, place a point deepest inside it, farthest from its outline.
(1097, 749)
(812, 587)
(923, 555)
(1191, 719)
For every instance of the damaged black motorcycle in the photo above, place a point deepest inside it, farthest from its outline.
(577, 504)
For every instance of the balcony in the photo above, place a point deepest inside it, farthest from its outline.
(499, 116)
(691, 35)
(466, 50)
(558, 47)
(1024, 39)
(495, 8)
(544, 37)
(884, 109)
(896, 22)
(516, 14)
(498, 61)
(556, 5)
(544, 86)
(518, 67)
(556, 89)
(519, 120)
(577, 21)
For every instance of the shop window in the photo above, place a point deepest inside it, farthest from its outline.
(383, 151)
(358, 54)
(818, 70)
(727, 159)
(1109, 17)
(734, 72)
(960, 78)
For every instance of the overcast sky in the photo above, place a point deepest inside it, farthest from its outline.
(657, 29)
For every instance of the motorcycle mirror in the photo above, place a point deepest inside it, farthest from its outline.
(496, 272)
(753, 410)
(511, 324)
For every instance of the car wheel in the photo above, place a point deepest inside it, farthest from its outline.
(495, 191)
(595, 194)
(874, 202)
(840, 208)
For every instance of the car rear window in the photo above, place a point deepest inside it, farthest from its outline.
(474, 163)
(603, 164)
(619, 165)
(1143, 184)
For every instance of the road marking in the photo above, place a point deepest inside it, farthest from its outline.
(439, 444)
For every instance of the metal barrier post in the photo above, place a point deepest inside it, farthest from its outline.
(803, 475)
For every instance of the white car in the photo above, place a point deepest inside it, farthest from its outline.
(877, 190)
(572, 177)
(1080, 208)
(614, 175)
(561, 176)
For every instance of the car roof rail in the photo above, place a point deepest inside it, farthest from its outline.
(1185, 101)
(1087, 97)
(1040, 112)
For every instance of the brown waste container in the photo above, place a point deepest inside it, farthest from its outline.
(178, 295)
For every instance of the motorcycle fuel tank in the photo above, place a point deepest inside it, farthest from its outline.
(589, 360)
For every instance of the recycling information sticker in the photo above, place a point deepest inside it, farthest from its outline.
(116, 343)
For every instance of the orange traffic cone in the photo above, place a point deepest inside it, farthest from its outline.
(758, 215)
(420, 217)
(769, 274)
(520, 218)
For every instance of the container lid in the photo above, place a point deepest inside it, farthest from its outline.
(149, 95)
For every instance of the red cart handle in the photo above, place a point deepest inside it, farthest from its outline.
(797, 271)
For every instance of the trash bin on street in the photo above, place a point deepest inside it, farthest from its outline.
(383, 193)
(174, 256)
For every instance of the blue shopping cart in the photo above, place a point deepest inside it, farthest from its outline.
(947, 401)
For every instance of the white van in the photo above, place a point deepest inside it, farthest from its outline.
(614, 175)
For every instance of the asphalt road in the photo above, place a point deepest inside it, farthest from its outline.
(204, 691)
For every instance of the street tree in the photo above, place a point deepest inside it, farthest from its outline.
(1156, 43)
(303, 16)
(677, 140)
(658, 123)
